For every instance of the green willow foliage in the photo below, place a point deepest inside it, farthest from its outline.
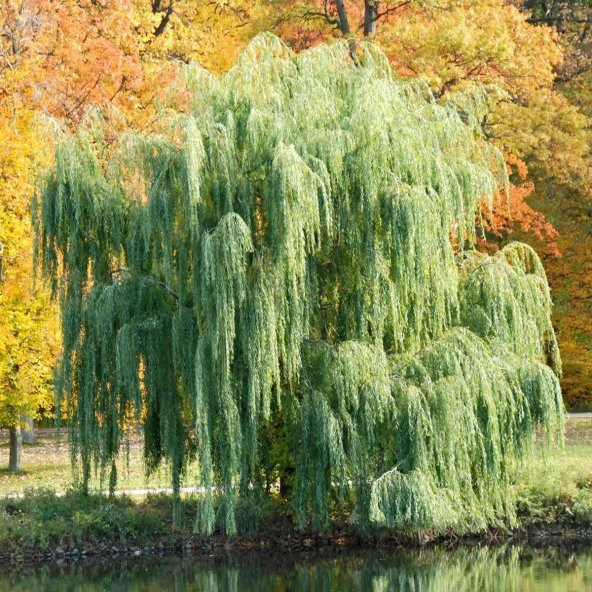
(292, 266)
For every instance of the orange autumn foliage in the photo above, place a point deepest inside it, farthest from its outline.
(513, 212)
(83, 53)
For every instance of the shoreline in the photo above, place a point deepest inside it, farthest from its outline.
(278, 544)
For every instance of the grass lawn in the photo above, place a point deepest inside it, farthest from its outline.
(551, 484)
(47, 464)
(557, 483)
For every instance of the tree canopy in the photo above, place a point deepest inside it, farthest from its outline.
(292, 265)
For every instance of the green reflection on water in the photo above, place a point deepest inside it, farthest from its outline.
(510, 569)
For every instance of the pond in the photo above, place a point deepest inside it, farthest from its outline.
(509, 569)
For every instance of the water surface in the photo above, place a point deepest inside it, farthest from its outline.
(512, 569)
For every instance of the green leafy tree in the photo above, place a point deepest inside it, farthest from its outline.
(290, 267)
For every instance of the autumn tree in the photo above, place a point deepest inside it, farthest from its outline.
(28, 323)
(572, 19)
(294, 261)
(569, 207)
(209, 33)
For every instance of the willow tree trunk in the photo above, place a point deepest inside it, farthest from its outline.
(16, 450)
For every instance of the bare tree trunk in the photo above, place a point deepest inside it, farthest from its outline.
(29, 436)
(343, 20)
(15, 462)
(370, 17)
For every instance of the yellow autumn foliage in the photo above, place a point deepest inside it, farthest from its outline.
(29, 331)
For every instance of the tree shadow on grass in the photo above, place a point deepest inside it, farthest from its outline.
(4, 472)
(38, 444)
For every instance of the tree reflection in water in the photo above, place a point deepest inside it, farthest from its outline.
(504, 569)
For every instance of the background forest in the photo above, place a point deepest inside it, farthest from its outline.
(60, 58)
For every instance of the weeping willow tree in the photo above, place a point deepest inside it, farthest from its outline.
(292, 264)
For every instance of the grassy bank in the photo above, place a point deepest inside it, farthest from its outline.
(555, 485)
(553, 491)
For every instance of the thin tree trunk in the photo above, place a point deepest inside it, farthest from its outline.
(343, 20)
(15, 462)
(1, 262)
(370, 17)
(164, 20)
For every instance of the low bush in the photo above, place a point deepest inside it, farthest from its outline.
(43, 518)
(46, 519)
